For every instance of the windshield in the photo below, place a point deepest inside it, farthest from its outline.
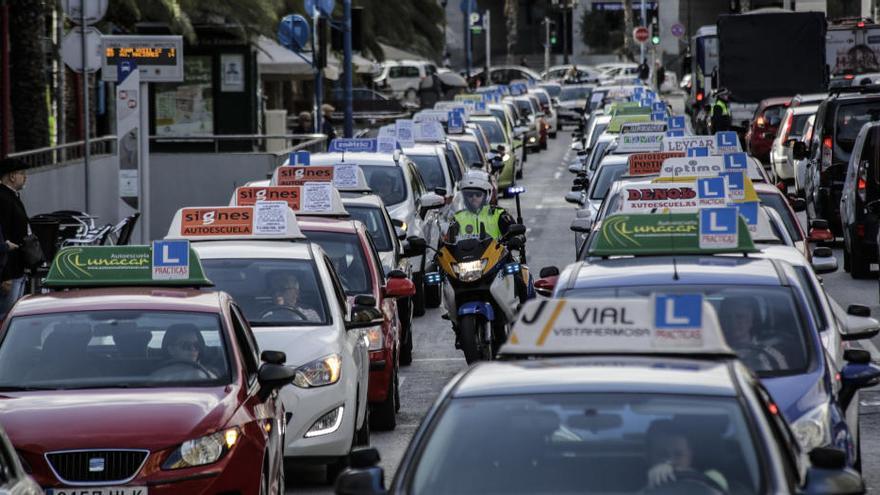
(542, 97)
(108, 349)
(374, 220)
(524, 106)
(598, 129)
(493, 131)
(598, 153)
(431, 170)
(347, 255)
(850, 120)
(797, 125)
(575, 93)
(271, 292)
(607, 175)
(471, 152)
(763, 324)
(552, 89)
(780, 204)
(587, 443)
(387, 182)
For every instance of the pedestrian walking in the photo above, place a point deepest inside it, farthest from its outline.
(304, 124)
(15, 227)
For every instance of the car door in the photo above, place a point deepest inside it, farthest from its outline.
(356, 341)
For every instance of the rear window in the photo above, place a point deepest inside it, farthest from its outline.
(542, 97)
(525, 107)
(401, 72)
(387, 182)
(552, 90)
(850, 119)
(797, 125)
(431, 170)
(471, 153)
(773, 115)
(569, 94)
(347, 255)
(492, 130)
(374, 220)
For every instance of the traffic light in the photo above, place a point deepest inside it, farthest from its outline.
(655, 31)
(553, 38)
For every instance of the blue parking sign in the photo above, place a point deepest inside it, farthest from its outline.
(300, 158)
(719, 227)
(170, 260)
(698, 151)
(455, 123)
(736, 161)
(678, 311)
(711, 188)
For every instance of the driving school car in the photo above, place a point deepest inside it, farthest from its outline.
(636, 394)
(290, 293)
(134, 377)
(764, 309)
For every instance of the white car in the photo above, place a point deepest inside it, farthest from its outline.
(549, 109)
(573, 101)
(582, 74)
(402, 77)
(327, 401)
(396, 179)
(791, 127)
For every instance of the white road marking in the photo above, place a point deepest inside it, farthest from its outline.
(427, 360)
(400, 381)
(557, 175)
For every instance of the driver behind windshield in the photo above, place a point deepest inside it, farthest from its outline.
(740, 317)
(285, 288)
(672, 459)
(183, 342)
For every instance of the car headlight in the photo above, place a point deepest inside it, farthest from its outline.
(812, 429)
(376, 338)
(469, 271)
(320, 372)
(204, 450)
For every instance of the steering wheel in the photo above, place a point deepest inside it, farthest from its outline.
(690, 482)
(283, 308)
(759, 354)
(178, 363)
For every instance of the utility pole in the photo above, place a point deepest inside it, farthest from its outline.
(546, 44)
(565, 32)
(467, 39)
(346, 42)
(86, 106)
(316, 53)
(644, 19)
(487, 24)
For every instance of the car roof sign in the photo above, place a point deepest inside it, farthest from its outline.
(429, 132)
(662, 324)
(169, 264)
(265, 220)
(639, 142)
(344, 176)
(353, 145)
(617, 121)
(671, 234)
(649, 163)
(693, 166)
(312, 198)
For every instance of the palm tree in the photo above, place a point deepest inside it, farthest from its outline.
(511, 17)
(30, 115)
(627, 31)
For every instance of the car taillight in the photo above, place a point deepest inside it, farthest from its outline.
(862, 185)
(699, 96)
(860, 24)
(849, 77)
(827, 144)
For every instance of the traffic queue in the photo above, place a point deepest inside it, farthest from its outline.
(694, 286)
(269, 332)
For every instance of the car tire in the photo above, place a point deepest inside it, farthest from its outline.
(859, 266)
(406, 347)
(362, 435)
(383, 416)
(433, 296)
(264, 482)
(846, 260)
(418, 279)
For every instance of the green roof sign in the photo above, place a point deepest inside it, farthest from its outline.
(709, 231)
(166, 263)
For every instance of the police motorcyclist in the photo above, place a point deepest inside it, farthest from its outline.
(476, 212)
(720, 116)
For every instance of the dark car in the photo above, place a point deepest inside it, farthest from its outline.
(838, 122)
(859, 203)
(762, 129)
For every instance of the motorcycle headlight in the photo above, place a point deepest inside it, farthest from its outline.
(320, 372)
(204, 450)
(469, 271)
(812, 429)
(376, 338)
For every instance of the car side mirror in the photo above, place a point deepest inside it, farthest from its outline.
(820, 231)
(799, 150)
(273, 357)
(497, 164)
(440, 191)
(364, 312)
(400, 233)
(363, 476)
(788, 143)
(430, 201)
(272, 376)
(858, 373)
(797, 204)
(828, 473)
(577, 146)
(399, 287)
(547, 283)
(581, 225)
(823, 261)
(574, 198)
(415, 246)
(575, 168)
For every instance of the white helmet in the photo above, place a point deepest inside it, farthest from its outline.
(474, 194)
(475, 181)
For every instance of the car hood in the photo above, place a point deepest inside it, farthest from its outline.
(301, 344)
(797, 394)
(153, 419)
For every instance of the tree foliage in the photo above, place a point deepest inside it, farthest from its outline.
(30, 116)
(602, 30)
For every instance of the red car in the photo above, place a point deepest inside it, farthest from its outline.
(140, 385)
(357, 262)
(762, 131)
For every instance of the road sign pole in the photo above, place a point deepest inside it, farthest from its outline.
(467, 39)
(86, 119)
(546, 44)
(487, 24)
(319, 87)
(144, 160)
(349, 120)
(644, 19)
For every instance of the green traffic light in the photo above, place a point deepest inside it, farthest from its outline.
(553, 40)
(655, 40)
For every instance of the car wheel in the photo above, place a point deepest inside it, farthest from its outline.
(859, 266)
(362, 435)
(406, 344)
(418, 280)
(433, 296)
(384, 415)
(858, 464)
(264, 481)
(335, 468)
(519, 172)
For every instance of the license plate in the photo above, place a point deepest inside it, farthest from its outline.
(102, 490)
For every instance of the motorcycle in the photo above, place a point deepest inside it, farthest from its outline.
(480, 291)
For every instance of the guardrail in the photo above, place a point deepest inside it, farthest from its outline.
(50, 155)
(256, 142)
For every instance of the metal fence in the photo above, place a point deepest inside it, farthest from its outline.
(68, 152)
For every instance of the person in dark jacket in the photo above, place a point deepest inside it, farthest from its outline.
(5, 247)
(15, 226)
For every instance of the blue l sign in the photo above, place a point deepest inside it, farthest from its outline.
(676, 122)
(718, 221)
(726, 140)
(736, 161)
(749, 211)
(659, 107)
(301, 157)
(678, 311)
(698, 151)
(710, 188)
(170, 260)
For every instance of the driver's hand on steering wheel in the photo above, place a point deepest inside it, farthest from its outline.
(660, 474)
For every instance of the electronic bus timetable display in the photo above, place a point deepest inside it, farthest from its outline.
(158, 58)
